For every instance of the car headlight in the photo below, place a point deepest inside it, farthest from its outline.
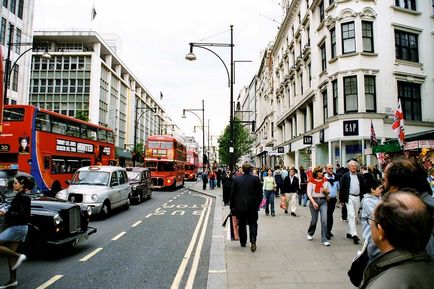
(94, 197)
(89, 211)
(134, 188)
(57, 219)
(61, 195)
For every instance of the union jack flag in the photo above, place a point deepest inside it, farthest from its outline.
(398, 124)
(374, 140)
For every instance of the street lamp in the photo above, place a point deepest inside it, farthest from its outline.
(8, 70)
(191, 57)
(136, 120)
(202, 122)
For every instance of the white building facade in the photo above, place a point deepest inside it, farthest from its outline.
(16, 29)
(338, 66)
(84, 76)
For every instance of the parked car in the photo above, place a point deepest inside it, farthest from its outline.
(103, 188)
(141, 183)
(52, 221)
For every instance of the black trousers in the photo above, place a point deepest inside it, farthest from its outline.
(344, 212)
(331, 205)
(226, 194)
(250, 218)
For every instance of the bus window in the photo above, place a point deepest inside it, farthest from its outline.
(58, 166)
(73, 129)
(47, 163)
(16, 114)
(85, 162)
(91, 133)
(58, 126)
(110, 137)
(102, 135)
(42, 121)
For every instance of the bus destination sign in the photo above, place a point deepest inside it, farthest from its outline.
(73, 146)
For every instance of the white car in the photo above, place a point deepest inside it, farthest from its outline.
(102, 188)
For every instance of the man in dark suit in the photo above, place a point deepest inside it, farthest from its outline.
(291, 186)
(246, 195)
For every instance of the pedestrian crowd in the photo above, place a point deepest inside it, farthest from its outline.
(394, 209)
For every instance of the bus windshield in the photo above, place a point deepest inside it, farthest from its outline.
(160, 145)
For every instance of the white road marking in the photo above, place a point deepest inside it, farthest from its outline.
(117, 237)
(148, 215)
(84, 259)
(50, 282)
(135, 224)
(216, 271)
(177, 281)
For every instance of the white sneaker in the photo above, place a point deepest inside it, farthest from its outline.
(309, 237)
(326, 244)
(20, 260)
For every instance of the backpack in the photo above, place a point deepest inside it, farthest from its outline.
(279, 179)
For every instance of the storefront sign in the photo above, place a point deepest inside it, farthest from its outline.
(321, 136)
(72, 146)
(307, 139)
(351, 127)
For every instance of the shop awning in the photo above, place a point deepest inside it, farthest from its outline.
(390, 147)
(124, 154)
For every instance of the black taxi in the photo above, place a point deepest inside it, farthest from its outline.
(141, 183)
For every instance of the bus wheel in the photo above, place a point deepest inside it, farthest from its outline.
(105, 209)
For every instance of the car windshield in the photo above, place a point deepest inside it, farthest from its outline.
(6, 185)
(133, 176)
(90, 178)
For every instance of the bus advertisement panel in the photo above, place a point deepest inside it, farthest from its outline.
(165, 157)
(51, 146)
(191, 166)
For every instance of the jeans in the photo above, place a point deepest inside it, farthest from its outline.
(270, 201)
(322, 203)
(212, 184)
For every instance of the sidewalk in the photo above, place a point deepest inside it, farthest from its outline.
(284, 257)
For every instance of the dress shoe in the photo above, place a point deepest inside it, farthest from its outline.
(331, 235)
(293, 214)
(243, 245)
(349, 236)
(273, 214)
(356, 239)
(286, 211)
(253, 247)
(9, 285)
(267, 214)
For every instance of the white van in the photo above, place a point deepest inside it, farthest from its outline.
(102, 188)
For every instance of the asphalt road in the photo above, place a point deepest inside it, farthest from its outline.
(161, 243)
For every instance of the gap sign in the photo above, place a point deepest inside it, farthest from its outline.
(351, 127)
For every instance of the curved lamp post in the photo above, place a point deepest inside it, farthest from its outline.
(191, 57)
(136, 120)
(202, 122)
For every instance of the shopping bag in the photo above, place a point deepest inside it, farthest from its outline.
(358, 266)
(263, 202)
(234, 227)
(283, 202)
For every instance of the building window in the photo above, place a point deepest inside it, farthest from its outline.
(323, 57)
(3, 31)
(367, 36)
(13, 5)
(18, 40)
(20, 9)
(301, 83)
(5, 3)
(15, 77)
(350, 93)
(409, 94)
(325, 105)
(10, 35)
(335, 96)
(309, 68)
(321, 11)
(370, 93)
(333, 42)
(348, 38)
(331, 2)
(407, 4)
(406, 46)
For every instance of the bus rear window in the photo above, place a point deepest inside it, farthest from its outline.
(13, 114)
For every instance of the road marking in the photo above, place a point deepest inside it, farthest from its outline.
(118, 236)
(196, 257)
(148, 215)
(84, 259)
(135, 224)
(177, 281)
(216, 271)
(49, 282)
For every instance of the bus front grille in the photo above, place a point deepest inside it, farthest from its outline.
(158, 182)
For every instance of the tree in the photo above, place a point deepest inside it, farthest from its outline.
(242, 142)
(82, 115)
(138, 152)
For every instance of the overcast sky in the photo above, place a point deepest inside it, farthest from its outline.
(155, 37)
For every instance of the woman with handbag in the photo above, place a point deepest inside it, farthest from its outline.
(16, 218)
(317, 194)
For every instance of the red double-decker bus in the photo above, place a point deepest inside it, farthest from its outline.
(51, 146)
(166, 156)
(191, 166)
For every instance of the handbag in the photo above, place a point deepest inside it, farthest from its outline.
(283, 202)
(232, 225)
(263, 202)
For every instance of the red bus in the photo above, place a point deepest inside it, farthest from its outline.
(51, 146)
(191, 166)
(165, 157)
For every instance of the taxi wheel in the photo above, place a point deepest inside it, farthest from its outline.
(105, 209)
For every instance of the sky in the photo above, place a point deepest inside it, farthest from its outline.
(154, 41)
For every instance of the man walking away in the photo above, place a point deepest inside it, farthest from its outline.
(333, 186)
(352, 190)
(302, 196)
(246, 195)
(279, 180)
(204, 179)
